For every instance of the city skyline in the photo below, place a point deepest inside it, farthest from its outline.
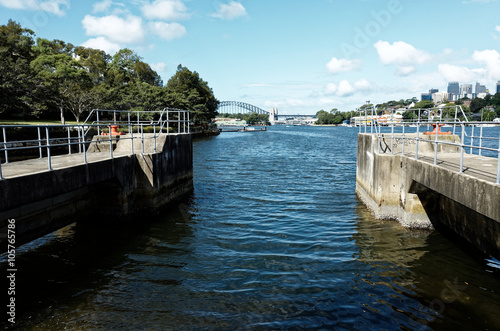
(299, 57)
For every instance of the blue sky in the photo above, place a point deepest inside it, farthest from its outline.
(299, 56)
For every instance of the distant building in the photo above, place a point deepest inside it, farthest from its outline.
(454, 87)
(426, 96)
(498, 87)
(465, 89)
(480, 88)
(440, 97)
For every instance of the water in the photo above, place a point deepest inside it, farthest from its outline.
(273, 237)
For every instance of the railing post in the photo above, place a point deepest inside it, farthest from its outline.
(168, 122)
(403, 143)
(472, 139)
(416, 142)
(462, 149)
(69, 140)
(110, 142)
(79, 139)
(392, 138)
(498, 162)
(480, 141)
(178, 122)
(154, 136)
(83, 142)
(436, 144)
(142, 138)
(98, 125)
(40, 142)
(132, 141)
(48, 148)
(5, 145)
(189, 123)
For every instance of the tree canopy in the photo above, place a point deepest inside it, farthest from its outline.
(53, 78)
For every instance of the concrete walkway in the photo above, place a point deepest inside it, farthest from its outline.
(476, 166)
(32, 166)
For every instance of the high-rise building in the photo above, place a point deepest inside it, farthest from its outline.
(466, 90)
(498, 87)
(433, 90)
(480, 88)
(454, 87)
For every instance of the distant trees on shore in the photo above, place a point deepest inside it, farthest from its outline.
(53, 79)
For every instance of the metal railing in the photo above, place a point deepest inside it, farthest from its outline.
(130, 119)
(49, 140)
(478, 138)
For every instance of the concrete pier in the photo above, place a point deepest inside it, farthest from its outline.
(420, 194)
(42, 201)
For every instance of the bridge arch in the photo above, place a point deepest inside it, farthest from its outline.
(238, 107)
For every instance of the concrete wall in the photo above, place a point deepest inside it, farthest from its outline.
(114, 188)
(421, 195)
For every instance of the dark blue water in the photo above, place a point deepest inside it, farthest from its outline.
(273, 237)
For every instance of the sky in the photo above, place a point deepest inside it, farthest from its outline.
(295, 55)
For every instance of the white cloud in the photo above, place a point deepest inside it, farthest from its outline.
(159, 67)
(117, 30)
(363, 85)
(331, 88)
(102, 6)
(230, 11)
(491, 58)
(400, 53)
(168, 10)
(167, 31)
(103, 44)
(405, 70)
(56, 7)
(458, 73)
(345, 88)
(342, 65)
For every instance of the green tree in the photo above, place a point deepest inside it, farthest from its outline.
(424, 104)
(17, 84)
(186, 90)
(60, 74)
(477, 104)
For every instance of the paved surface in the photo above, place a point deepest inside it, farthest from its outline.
(22, 168)
(476, 166)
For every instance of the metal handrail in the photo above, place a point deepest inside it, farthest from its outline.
(462, 145)
(78, 134)
(96, 119)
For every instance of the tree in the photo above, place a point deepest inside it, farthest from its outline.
(60, 74)
(477, 104)
(424, 104)
(186, 90)
(17, 85)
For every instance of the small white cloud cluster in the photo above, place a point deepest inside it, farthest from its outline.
(159, 18)
(120, 28)
(230, 11)
(57, 7)
(404, 55)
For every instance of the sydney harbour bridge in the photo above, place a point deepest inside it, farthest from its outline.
(238, 107)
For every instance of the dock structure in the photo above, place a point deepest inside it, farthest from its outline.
(434, 180)
(103, 176)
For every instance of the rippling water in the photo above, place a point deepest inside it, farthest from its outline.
(273, 237)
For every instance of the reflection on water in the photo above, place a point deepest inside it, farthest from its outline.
(272, 237)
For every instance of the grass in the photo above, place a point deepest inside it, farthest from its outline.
(36, 122)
